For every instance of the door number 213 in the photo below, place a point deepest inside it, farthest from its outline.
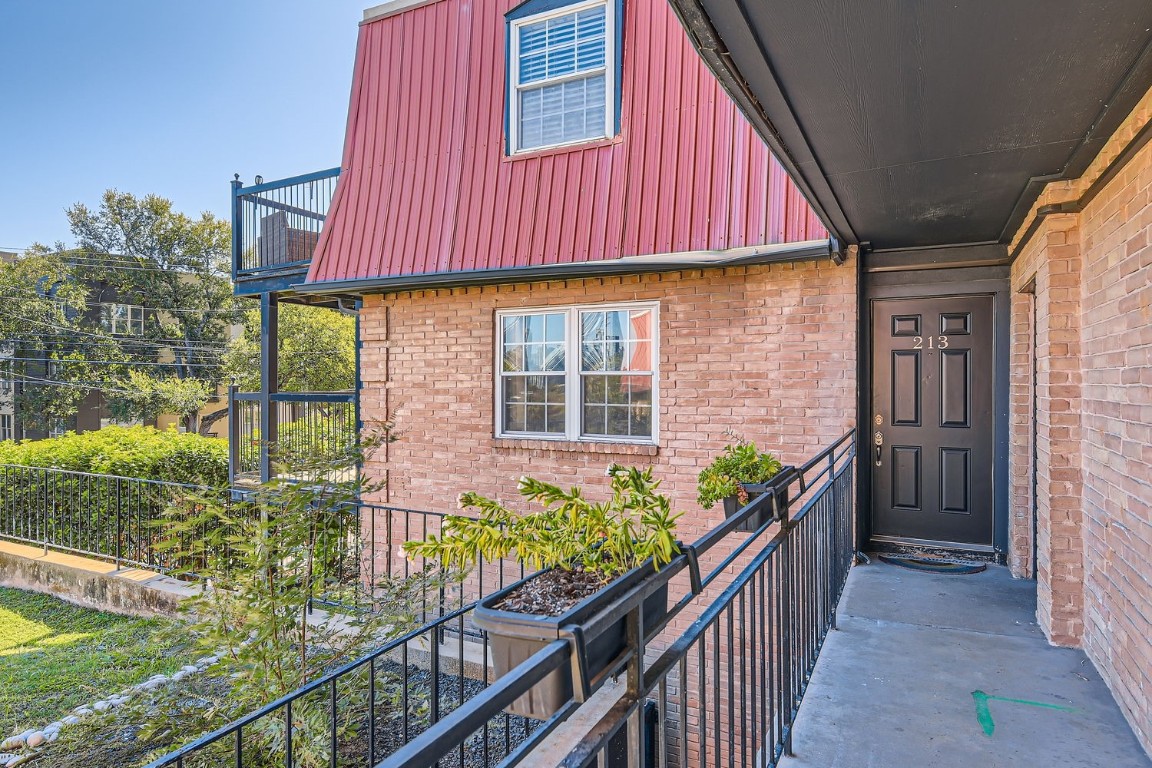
(929, 342)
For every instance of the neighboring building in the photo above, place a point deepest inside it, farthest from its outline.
(569, 246)
(7, 395)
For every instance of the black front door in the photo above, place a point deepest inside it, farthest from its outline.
(931, 437)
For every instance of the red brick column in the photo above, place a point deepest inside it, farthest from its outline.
(1052, 262)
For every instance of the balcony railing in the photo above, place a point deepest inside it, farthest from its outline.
(304, 430)
(724, 691)
(276, 225)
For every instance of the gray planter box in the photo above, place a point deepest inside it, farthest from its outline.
(732, 503)
(514, 637)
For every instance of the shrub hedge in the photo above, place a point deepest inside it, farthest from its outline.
(143, 452)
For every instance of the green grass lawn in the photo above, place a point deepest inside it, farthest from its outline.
(55, 656)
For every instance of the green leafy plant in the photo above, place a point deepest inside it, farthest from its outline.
(607, 538)
(143, 452)
(738, 465)
(266, 560)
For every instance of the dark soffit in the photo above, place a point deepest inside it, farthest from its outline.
(916, 123)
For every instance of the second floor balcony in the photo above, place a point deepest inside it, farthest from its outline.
(276, 226)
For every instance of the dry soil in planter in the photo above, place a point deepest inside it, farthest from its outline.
(552, 592)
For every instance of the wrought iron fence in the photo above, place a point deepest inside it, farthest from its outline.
(725, 692)
(371, 707)
(103, 516)
(119, 519)
(276, 225)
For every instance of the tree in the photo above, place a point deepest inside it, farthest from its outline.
(180, 269)
(147, 396)
(51, 338)
(316, 351)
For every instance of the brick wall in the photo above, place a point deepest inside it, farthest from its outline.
(1092, 274)
(768, 352)
(1116, 423)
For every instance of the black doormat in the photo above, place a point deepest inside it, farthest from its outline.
(933, 565)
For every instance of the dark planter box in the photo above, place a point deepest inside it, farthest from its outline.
(732, 503)
(514, 637)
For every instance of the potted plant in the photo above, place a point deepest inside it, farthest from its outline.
(588, 555)
(738, 475)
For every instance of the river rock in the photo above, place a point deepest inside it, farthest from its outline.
(36, 739)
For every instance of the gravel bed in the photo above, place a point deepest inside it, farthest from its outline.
(504, 731)
(114, 741)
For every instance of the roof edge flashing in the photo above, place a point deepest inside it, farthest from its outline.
(735, 257)
(392, 8)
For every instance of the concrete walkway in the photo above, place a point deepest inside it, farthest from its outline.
(922, 670)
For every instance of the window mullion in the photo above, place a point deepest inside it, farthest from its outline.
(572, 376)
(583, 74)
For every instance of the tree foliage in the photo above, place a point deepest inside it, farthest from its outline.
(134, 251)
(146, 396)
(181, 268)
(50, 337)
(316, 351)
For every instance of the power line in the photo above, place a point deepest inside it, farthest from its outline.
(177, 343)
(60, 343)
(34, 296)
(85, 361)
(90, 386)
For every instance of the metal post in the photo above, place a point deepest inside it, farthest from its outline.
(233, 435)
(358, 386)
(119, 532)
(634, 634)
(269, 316)
(835, 526)
(237, 225)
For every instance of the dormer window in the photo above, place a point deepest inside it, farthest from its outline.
(562, 78)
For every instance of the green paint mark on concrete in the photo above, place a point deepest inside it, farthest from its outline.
(984, 713)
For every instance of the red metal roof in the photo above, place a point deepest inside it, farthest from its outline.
(426, 186)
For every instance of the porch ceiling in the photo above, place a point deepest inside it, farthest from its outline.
(913, 123)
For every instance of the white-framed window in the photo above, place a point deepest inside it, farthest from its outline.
(561, 76)
(126, 319)
(7, 431)
(578, 373)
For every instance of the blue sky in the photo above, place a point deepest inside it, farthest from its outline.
(157, 96)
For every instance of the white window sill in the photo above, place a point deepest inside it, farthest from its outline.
(574, 446)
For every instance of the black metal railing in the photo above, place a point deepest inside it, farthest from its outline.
(103, 516)
(120, 519)
(380, 702)
(310, 429)
(726, 692)
(276, 225)
(735, 679)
